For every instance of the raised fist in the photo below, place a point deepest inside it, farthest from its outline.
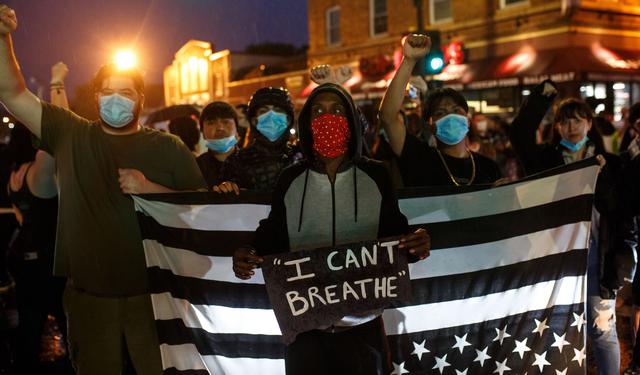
(416, 46)
(59, 72)
(8, 20)
(322, 74)
(343, 74)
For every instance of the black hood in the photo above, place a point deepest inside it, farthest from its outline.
(353, 116)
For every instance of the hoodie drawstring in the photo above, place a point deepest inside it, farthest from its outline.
(355, 192)
(304, 193)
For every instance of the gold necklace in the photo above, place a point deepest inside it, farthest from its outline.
(473, 168)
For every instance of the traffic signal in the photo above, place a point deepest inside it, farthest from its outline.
(433, 63)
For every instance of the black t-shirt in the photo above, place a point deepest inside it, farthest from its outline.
(421, 165)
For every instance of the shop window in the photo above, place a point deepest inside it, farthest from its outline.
(440, 11)
(378, 17)
(508, 3)
(333, 26)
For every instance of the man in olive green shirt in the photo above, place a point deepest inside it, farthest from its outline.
(98, 245)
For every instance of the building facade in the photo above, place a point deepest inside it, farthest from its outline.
(590, 47)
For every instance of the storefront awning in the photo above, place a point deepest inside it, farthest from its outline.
(529, 66)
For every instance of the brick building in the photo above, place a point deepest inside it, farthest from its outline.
(590, 46)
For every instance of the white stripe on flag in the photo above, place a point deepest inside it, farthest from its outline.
(213, 217)
(185, 357)
(442, 262)
(215, 319)
(499, 200)
(514, 250)
(566, 291)
(191, 264)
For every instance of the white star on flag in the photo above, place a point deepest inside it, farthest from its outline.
(462, 372)
(501, 335)
(399, 369)
(541, 361)
(521, 347)
(540, 326)
(482, 356)
(579, 356)
(564, 372)
(559, 342)
(419, 349)
(461, 342)
(501, 367)
(578, 321)
(441, 363)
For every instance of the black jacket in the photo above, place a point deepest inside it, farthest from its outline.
(308, 211)
(258, 166)
(617, 232)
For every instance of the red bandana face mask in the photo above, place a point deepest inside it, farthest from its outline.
(331, 135)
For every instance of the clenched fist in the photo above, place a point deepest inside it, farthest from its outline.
(59, 72)
(132, 181)
(8, 20)
(416, 46)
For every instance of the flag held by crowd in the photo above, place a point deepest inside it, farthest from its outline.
(502, 292)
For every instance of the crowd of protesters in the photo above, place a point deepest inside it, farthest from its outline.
(75, 261)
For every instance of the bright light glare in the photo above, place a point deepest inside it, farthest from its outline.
(292, 131)
(5, 120)
(11, 125)
(436, 63)
(125, 59)
(618, 86)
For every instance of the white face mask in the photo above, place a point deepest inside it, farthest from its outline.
(116, 110)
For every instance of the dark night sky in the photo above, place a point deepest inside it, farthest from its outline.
(86, 33)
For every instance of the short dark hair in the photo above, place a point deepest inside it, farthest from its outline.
(435, 97)
(634, 113)
(187, 129)
(217, 110)
(111, 69)
(572, 108)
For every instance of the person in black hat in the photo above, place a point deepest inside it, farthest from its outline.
(258, 166)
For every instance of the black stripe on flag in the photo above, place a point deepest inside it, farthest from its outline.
(230, 345)
(443, 234)
(211, 243)
(432, 191)
(427, 290)
(175, 371)
(208, 292)
(497, 227)
(498, 279)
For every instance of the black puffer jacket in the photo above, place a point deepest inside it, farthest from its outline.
(258, 166)
(617, 232)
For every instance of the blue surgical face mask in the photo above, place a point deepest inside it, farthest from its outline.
(116, 110)
(574, 147)
(452, 128)
(272, 125)
(222, 145)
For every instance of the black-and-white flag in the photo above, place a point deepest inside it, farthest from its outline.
(503, 291)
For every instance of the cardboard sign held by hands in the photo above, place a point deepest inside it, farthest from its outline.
(312, 289)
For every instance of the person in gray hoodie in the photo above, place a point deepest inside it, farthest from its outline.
(335, 196)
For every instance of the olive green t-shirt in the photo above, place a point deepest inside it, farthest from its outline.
(98, 244)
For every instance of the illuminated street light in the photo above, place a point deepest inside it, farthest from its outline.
(125, 59)
(5, 120)
(11, 125)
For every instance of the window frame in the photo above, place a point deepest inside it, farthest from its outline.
(504, 5)
(432, 13)
(372, 19)
(328, 27)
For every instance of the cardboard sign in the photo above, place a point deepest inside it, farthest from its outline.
(313, 289)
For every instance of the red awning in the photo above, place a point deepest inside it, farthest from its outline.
(529, 66)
